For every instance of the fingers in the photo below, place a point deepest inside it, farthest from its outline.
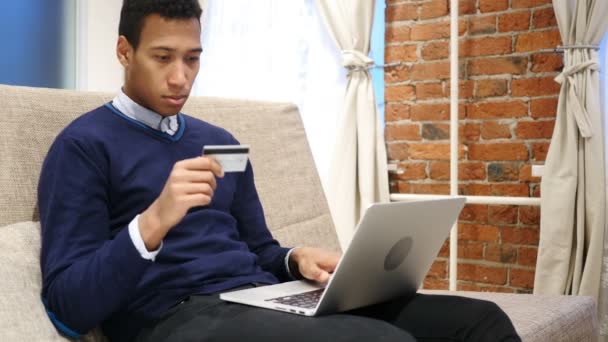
(188, 176)
(312, 271)
(201, 164)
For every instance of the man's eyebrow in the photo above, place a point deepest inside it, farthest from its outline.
(168, 49)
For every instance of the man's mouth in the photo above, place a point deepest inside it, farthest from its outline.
(175, 100)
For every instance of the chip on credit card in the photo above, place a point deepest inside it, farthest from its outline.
(233, 158)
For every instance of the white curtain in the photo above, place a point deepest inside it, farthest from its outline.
(573, 189)
(358, 172)
(275, 50)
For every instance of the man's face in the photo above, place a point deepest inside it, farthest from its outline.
(160, 73)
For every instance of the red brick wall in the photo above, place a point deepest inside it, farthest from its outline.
(507, 111)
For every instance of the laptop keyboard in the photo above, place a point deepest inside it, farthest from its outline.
(306, 300)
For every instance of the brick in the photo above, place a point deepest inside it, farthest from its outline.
(522, 278)
(476, 189)
(396, 112)
(497, 110)
(465, 89)
(435, 50)
(474, 213)
(434, 9)
(534, 41)
(528, 3)
(534, 87)
(512, 190)
(439, 170)
(543, 18)
(486, 46)
(482, 25)
(467, 7)
(401, 12)
(535, 129)
(543, 108)
(432, 31)
(503, 214)
(483, 288)
(436, 131)
(411, 171)
(395, 74)
(478, 232)
(430, 71)
(529, 215)
(403, 188)
(495, 130)
(400, 53)
(506, 254)
(399, 93)
(493, 5)
(432, 189)
(525, 174)
(516, 21)
(482, 274)
(466, 171)
(397, 33)
(444, 252)
(432, 151)
(439, 269)
(397, 151)
(497, 66)
(491, 88)
(535, 190)
(402, 131)
(526, 256)
(503, 172)
(539, 151)
(508, 151)
(425, 91)
(472, 250)
(520, 236)
(469, 132)
(547, 62)
(430, 112)
(435, 284)
(471, 171)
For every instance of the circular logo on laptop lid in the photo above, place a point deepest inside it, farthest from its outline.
(398, 253)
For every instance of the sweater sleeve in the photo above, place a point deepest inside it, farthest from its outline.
(249, 214)
(87, 273)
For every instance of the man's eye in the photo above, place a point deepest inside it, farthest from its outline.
(194, 59)
(161, 58)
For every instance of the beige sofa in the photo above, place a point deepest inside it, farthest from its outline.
(286, 178)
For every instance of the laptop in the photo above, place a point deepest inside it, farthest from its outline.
(389, 255)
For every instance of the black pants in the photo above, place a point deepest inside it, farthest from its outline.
(425, 317)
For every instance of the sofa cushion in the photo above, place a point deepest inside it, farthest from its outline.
(542, 318)
(285, 173)
(23, 317)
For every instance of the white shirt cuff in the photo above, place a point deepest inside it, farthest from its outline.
(287, 263)
(138, 242)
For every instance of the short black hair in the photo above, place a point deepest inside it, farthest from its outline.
(134, 12)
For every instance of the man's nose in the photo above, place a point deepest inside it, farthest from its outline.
(177, 76)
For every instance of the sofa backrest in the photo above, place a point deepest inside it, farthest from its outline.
(285, 173)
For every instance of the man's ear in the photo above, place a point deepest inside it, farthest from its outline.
(124, 51)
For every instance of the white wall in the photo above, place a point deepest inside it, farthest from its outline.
(97, 68)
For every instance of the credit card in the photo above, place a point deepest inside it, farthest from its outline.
(233, 158)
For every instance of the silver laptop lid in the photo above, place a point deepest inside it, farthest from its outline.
(391, 252)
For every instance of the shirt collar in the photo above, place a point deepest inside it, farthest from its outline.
(130, 108)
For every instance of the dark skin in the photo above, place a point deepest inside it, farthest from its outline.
(159, 75)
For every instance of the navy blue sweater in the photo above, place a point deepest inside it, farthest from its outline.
(103, 170)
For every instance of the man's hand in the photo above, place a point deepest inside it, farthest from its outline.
(315, 264)
(191, 183)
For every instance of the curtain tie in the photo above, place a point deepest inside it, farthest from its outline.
(354, 60)
(574, 103)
